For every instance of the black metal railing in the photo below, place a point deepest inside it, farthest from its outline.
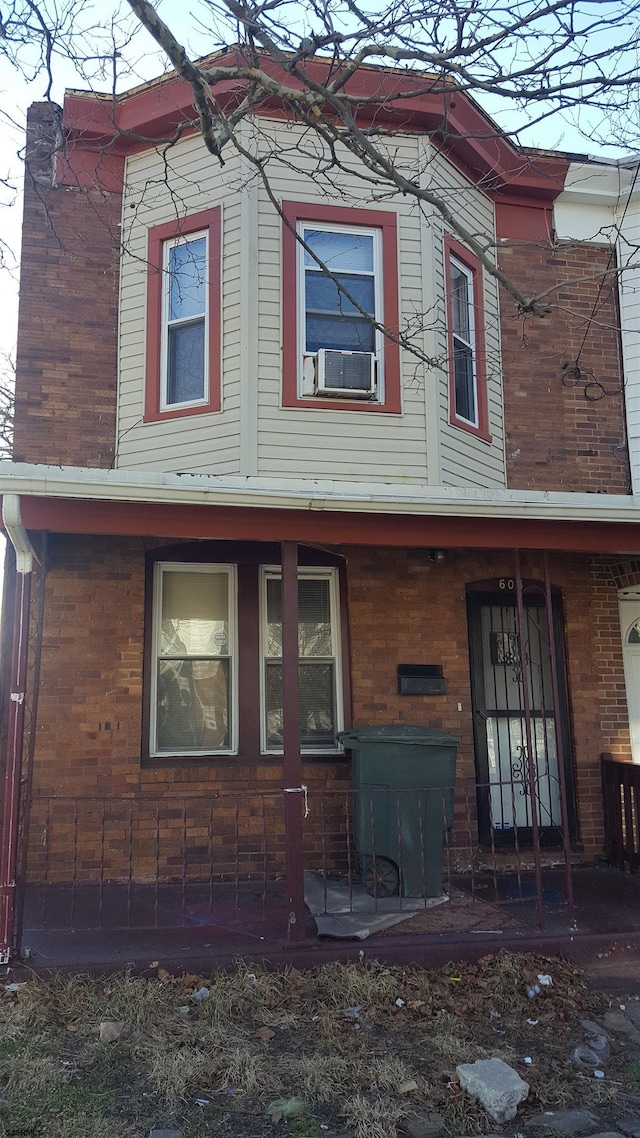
(216, 861)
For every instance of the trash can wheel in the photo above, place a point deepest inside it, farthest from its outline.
(380, 876)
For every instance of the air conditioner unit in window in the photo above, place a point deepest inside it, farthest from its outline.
(346, 373)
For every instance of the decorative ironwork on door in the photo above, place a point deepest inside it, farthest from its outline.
(519, 767)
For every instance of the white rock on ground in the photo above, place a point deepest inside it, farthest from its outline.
(498, 1087)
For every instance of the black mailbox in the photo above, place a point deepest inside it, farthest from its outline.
(421, 679)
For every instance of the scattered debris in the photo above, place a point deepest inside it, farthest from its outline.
(496, 1085)
(202, 993)
(408, 1086)
(286, 1108)
(265, 1034)
(111, 1030)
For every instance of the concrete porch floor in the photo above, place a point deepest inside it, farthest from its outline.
(198, 929)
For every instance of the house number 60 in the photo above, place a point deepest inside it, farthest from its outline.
(506, 583)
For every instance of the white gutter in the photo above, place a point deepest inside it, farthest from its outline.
(149, 487)
(12, 521)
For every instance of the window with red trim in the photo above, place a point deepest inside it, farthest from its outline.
(340, 289)
(183, 317)
(468, 406)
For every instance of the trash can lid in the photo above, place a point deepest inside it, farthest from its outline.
(398, 733)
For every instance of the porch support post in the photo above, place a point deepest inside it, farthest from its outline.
(531, 761)
(562, 781)
(292, 761)
(15, 722)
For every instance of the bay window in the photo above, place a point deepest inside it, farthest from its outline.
(468, 405)
(183, 317)
(340, 264)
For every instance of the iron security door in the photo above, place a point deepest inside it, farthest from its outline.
(503, 757)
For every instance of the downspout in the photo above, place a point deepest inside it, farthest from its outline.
(25, 555)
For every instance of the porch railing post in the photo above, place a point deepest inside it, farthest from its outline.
(560, 756)
(292, 760)
(531, 764)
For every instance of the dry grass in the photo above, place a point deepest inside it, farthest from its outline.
(262, 1036)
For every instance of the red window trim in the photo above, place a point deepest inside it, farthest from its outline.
(470, 262)
(339, 215)
(209, 219)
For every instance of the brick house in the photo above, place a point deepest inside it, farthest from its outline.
(199, 424)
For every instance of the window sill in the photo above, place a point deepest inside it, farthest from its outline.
(179, 412)
(477, 432)
(148, 763)
(320, 403)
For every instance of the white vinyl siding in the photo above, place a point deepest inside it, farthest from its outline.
(254, 434)
(466, 460)
(320, 442)
(208, 443)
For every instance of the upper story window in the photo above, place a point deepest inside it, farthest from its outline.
(466, 349)
(183, 317)
(464, 343)
(185, 371)
(344, 269)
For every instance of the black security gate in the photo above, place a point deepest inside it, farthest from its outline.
(520, 722)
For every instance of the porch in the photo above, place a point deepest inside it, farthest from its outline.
(188, 881)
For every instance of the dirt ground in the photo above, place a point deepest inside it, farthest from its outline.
(341, 1050)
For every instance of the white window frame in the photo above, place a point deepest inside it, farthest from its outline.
(322, 573)
(167, 246)
(306, 360)
(159, 569)
(454, 262)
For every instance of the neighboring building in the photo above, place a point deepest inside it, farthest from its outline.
(189, 428)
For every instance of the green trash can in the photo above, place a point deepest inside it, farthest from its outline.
(403, 777)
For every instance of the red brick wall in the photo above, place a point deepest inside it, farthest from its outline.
(403, 608)
(555, 438)
(66, 361)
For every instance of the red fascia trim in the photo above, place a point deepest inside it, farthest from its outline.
(451, 246)
(90, 169)
(339, 215)
(517, 221)
(454, 121)
(249, 523)
(209, 219)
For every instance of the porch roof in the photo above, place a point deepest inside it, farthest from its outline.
(149, 503)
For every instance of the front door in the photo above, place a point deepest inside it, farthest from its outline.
(630, 628)
(504, 759)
